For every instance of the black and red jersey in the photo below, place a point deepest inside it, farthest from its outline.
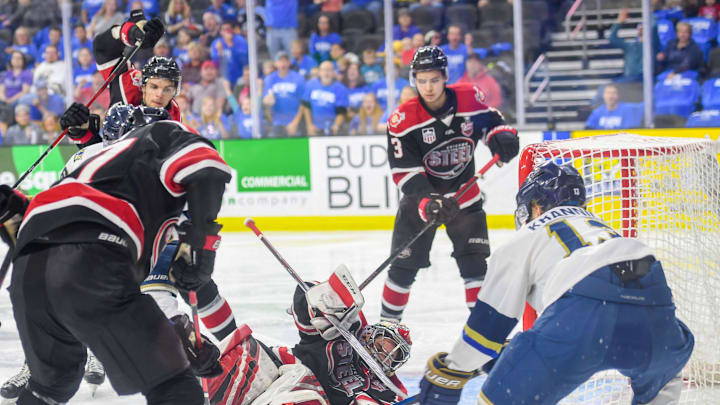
(129, 193)
(336, 365)
(126, 88)
(429, 153)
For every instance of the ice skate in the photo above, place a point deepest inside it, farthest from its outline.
(10, 390)
(94, 373)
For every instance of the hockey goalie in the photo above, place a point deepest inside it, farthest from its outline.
(322, 369)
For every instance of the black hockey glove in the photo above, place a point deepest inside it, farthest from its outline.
(438, 208)
(195, 257)
(154, 30)
(131, 34)
(13, 205)
(442, 385)
(76, 115)
(503, 140)
(204, 362)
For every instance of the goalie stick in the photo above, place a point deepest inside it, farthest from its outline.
(461, 191)
(349, 337)
(127, 55)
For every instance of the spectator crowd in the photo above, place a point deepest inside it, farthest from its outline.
(320, 75)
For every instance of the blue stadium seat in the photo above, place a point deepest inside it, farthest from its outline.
(677, 95)
(704, 31)
(711, 94)
(704, 119)
(666, 31)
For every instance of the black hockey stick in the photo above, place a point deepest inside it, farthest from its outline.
(349, 337)
(192, 297)
(127, 55)
(464, 189)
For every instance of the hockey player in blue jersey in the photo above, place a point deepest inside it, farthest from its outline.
(604, 300)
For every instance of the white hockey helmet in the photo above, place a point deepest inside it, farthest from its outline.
(389, 343)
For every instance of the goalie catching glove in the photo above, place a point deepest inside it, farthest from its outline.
(338, 299)
(204, 362)
(442, 385)
(438, 208)
(195, 258)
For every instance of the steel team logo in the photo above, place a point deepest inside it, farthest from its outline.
(450, 158)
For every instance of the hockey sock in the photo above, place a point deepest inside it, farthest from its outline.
(394, 299)
(214, 311)
(472, 289)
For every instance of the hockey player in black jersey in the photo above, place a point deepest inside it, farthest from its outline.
(322, 369)
(431, 141)
(85, 245)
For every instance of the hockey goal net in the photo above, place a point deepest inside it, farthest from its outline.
(665, 192)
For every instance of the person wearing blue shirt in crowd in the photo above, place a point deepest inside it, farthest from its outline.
(281, 25)
(225, 11)
(84, 68)
(283, 90)
(380, 89)
(357, 89)
(322, 39)
(632, 49)
(22, 43)
(54, 37)
(456, 53)
(79, 40)
(42, 102)
(229, 52)
(242, 120)
(404, 28)
(150, 7)
(324, 103)
(370, 69)
(301, 62)
(90, 8)
(614, 115)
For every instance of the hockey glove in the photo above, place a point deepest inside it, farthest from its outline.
(13, 205)
(442, 385)
(81, 125)
(76, 115)
(204, 362)
(338, 298)
(154, 30)
(436, 207)
(195, 259)
(503, 140)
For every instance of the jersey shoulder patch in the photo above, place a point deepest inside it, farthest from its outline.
(470, 99)
(408, 116)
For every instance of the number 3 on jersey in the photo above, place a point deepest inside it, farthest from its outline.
(570, 239)
(397, 148)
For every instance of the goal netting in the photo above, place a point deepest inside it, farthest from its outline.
(665, 192)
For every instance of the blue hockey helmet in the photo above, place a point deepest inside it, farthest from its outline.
(123, 118)
(550, 185)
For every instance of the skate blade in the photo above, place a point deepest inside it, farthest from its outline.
(93, 389)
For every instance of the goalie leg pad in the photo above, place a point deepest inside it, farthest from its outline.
(247, 370)
(296, 385)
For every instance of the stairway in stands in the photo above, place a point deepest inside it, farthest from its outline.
(574, 74)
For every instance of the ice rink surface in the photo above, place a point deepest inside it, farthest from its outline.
(259, 291)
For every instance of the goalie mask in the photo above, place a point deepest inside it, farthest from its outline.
(123, 118)
(389, 343)
(549, 185)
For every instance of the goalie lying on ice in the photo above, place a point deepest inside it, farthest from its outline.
(322, 369)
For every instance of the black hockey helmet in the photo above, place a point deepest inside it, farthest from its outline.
(123, 118)
(550, 185)
(166, 68)
(428, 58)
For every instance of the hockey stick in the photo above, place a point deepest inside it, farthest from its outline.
(130, 51)
(461, 191)
(349, 337)
(198, 337)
